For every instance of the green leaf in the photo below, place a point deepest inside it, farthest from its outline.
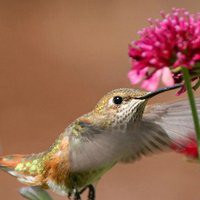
(35, 193)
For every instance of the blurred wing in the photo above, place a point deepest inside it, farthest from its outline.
(97, 148)
(145, 139)
(166, 126)
(176, 119)
(94, 148)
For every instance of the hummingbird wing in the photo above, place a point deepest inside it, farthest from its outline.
(98, 148)
(176, 119)
(164, 127)
(93, 148)
(145, 139)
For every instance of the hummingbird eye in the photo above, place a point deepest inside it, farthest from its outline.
(117, 100)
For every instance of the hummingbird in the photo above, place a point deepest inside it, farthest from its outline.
(120, 129)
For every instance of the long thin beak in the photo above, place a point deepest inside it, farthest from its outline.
(152, 94)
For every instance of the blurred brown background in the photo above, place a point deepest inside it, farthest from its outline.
(57, 58)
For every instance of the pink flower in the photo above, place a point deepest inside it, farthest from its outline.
(164, 47)
(152, 82)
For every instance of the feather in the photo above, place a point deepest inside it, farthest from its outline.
(104, 148)
(176, 119)
(19, 166)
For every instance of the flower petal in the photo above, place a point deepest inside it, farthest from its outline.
(152, 83)
(135, 76)
(167, 77)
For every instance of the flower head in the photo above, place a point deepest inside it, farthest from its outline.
(164, 47)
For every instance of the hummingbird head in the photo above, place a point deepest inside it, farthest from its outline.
(121, 106)
(124, 105)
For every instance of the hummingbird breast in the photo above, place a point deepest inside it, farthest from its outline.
(58, 170)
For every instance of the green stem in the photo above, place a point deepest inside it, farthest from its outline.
(188, 85)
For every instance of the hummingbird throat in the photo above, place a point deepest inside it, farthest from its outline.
(129, 114)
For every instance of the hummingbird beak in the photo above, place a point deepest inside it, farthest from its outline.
(161, 90)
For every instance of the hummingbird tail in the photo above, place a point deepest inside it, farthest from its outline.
(21, 167)
(10, 162)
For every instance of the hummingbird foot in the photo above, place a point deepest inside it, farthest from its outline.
(76, 195)
(69, 195)
(91, 193)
